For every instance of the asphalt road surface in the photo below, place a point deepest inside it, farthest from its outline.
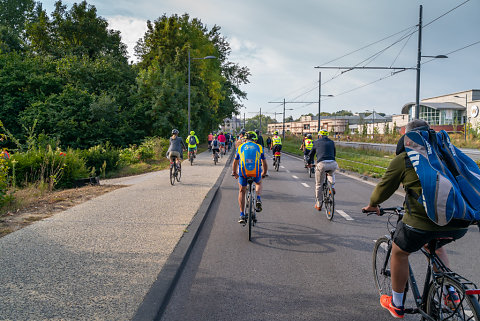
(299, 265)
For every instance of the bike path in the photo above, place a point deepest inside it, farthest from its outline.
(98, 260)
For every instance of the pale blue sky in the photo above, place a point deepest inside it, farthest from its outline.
(281, 41)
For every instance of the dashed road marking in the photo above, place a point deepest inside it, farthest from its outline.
(345, 215)
(287, 171)
(294, 176)
(305, 184)
(282, 166)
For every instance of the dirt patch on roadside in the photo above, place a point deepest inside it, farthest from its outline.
(49, 204)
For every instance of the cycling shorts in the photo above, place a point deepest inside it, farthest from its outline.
(174, 153)
(277, 148)
(410, 239)
(192, 148)
(216, 150)
(222, 143)
(243, 180)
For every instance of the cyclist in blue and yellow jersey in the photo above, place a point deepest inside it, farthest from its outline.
(192, 141)
(276, 143)
(249, 162)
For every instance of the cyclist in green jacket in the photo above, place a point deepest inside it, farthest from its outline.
(192, 141)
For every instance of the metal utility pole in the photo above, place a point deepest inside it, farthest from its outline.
(283, 130)
(419, 58)
(260, 129)
(319, 98)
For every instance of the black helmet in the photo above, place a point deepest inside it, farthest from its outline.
(175, 131)
(309, 136)
(257, 131)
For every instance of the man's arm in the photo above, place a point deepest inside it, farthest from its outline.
(390, 181)
(196, 138)
(235, 167)
(264, 167)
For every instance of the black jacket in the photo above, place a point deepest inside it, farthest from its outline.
(324, 148)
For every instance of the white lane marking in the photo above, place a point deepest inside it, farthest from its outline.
(345, 215)
(305, 184)
(294, 176)
(282, 166)
(287, 171)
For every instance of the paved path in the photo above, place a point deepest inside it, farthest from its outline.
(97, 260)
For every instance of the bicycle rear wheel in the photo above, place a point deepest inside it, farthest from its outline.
(251, 210)
(179, 172)
(311, 171)
(381, 266)
(328, 200)
(440, 309)
(191, 159)
(172, 174)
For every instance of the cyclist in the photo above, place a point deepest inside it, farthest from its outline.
(228, 141)
(269, 143)
(249, 162)
(276, 143)
(307, 147)
(176, 148)
(415, 229)
(222, 139)
(192, 141)
(259, 138)
(241, 138)
(209, 139)
(215, 146)
(324, 147)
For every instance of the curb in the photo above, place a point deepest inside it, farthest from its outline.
(158, 297)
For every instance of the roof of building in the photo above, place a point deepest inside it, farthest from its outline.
(451, 106)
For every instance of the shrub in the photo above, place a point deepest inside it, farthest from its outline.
(49, 167)
(100, 157)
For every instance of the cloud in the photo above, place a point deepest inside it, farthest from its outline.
(131, 29)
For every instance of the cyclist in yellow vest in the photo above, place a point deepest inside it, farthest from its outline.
(192, 141)
(276, 143)
(307, 147)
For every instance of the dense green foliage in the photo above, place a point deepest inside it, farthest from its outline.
(66, 75)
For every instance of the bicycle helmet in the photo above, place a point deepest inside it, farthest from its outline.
(252, 136)
(275, 132)
(323, 132)
(175, 132)
(257, 132)
(309, 136)
(192, 133)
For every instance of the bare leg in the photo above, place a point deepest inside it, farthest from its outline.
(258, 188)
(399, 268)
(241, 197)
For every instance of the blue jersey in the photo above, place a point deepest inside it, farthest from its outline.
(250, 156)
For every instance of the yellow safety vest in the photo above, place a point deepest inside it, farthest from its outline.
(308, 144)
(276, 140)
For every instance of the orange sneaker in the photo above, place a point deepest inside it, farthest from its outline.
(386, 302)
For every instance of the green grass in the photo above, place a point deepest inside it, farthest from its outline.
(361, 161)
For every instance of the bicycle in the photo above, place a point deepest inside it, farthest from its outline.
(310, 168)
(250, 216)
(191, 156)
(328, 198)
(431, 304)
(175, 170)
(276, 160)
(215, 157)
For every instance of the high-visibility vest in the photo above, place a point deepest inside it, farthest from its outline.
(276, 140)
(308, 144)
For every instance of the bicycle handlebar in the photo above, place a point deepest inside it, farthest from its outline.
(393, 210)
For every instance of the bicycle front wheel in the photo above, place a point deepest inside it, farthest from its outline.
(329, 201)
(172, 175)
(441, 308)
(381, 266)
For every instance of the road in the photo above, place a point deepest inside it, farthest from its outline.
(299, 265)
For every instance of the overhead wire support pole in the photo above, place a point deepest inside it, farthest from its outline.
(419, 58)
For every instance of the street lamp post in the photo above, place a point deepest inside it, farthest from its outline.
(207, 57)
(466, 115)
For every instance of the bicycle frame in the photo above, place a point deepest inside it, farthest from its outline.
(434, 262)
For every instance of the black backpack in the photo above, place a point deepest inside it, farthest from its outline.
(192, 140)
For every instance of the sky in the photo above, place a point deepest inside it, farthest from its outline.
(282, 41)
